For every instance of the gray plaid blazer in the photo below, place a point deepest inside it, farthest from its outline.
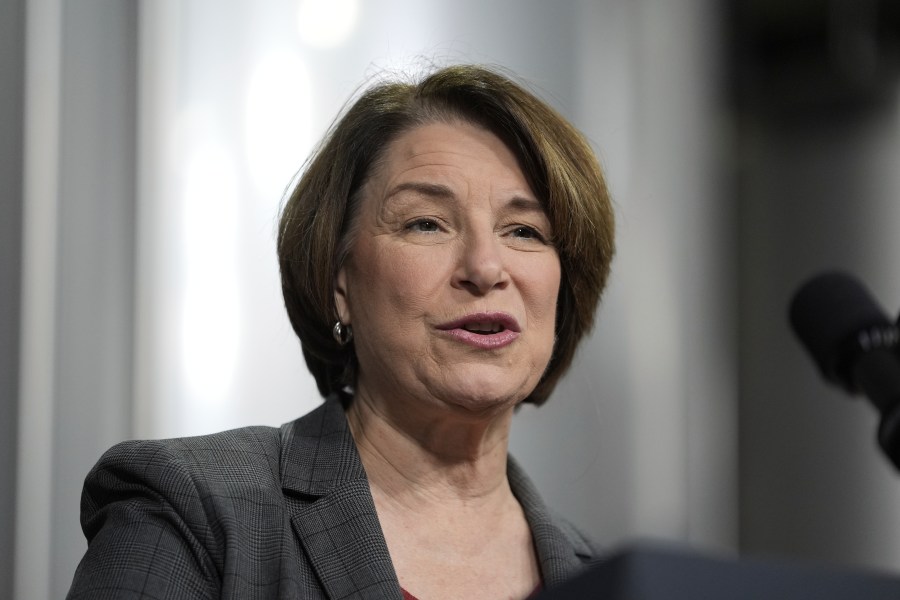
(259, 512)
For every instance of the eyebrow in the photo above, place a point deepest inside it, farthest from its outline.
(442, 192)
(525, 203)
(432, 190)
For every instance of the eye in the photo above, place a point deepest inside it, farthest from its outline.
(527, 233)
(424, 226)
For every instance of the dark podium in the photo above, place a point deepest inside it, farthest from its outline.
(665, 573)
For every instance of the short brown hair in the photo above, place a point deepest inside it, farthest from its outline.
(316, 227)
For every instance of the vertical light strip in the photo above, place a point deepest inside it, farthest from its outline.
(209, 318)
(158, 65)
(39, 261)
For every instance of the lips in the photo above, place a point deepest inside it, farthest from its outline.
(489, 330)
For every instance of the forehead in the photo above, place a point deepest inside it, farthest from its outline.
(450, 150)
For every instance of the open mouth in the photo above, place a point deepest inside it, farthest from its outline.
(484, 328)
(486, 323)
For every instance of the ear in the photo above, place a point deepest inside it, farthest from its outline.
(340, 296)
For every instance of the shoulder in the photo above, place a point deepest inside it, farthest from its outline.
(235, 467)
(249, 452)
(173, 513)
(189, 476)
(255, 447)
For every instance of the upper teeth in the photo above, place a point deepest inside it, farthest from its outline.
(483, 327)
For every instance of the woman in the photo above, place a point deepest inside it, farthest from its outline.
(442, 255)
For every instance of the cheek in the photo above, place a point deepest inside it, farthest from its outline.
(540, 286)
(397, 283)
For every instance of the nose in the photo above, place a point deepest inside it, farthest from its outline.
(481, 267)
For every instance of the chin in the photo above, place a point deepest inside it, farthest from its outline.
(479, 395)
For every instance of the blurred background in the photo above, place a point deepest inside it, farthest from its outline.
(145, 147)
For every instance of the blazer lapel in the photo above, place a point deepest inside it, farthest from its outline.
(562, 552)
(332, 511)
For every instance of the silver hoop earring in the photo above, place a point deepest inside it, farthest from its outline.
(342, 333)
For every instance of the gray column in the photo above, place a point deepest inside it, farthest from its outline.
(12, 76)
(78, 272)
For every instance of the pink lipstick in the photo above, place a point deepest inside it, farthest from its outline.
(486, 330)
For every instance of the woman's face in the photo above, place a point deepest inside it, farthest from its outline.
(452, 280)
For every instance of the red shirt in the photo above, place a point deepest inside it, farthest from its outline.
(408, 596)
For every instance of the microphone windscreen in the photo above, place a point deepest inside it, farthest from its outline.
(826, 313)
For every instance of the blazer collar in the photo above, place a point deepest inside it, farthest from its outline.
(561, 550)
(332, 511)
(318, 451)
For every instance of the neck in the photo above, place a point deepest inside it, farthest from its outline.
(439, 458)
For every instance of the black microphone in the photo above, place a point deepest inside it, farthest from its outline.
(854, 344)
